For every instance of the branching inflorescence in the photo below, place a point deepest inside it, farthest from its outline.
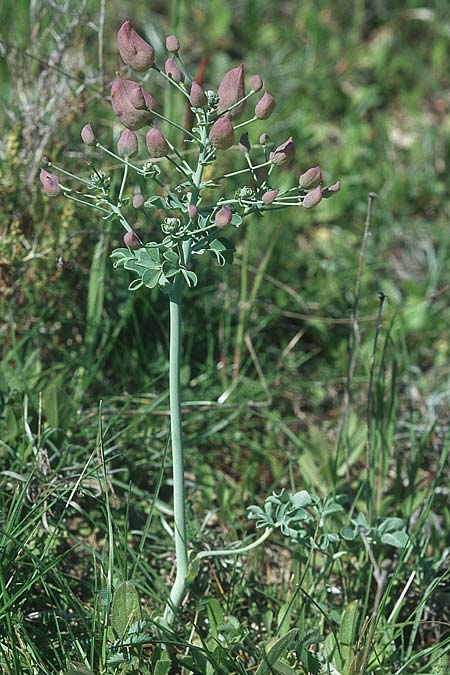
(193, 222)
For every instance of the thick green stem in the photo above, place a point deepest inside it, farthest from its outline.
(179, 587)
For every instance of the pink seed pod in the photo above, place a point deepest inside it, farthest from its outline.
(311, 178)
(331, 190)
(134, 50)
(88, 135)
(231, 90)
(131, 240)
(263, 139)
(264, 107)
(138, 201)
(284, 153)
(172, 44)
(269, 196)
(221, 134)
(256, 82)
(50, 183)
(173, 70)
(193, 211)
(223, 217)
(197, 96)
(127, 145)
(130, 103)
(312, 198)
(244, 144)
(157, 145)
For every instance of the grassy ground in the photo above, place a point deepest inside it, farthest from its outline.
(332, 348)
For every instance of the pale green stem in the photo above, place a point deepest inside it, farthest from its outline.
(243, 124)
(119, 158)
(71, 175)
(171, 81)
(124, 222)
(241, 100)
(188, 171)
(81, 201)
(251, 167)
(236, 551)
(124, 181)
(174, 124)
(178, 589)
(236, 173)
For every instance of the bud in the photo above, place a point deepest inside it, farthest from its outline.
(331, 190)
(130, 103)
(263, 139)
(264, 107)
(269, 196)
(193, 211)
(244, 144)
(173, 70)
(87, 135)
(231, 90)
(138, 201)
(284, 153)
(134, 50)
(131, 240)
(172, 44)
(50, 183)
(312, 198)
(221, 134)
(311, 178)
(197, 97)
(256, 82)
(127, 145)
(223, 217)
(156, 143)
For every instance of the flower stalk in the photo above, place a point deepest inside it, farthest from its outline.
(194, 222)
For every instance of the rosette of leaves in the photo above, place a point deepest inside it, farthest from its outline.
(306, 520)
(295, 514)
(153, 265)
(389, 531)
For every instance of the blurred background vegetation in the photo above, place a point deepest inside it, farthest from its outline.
(364, 89)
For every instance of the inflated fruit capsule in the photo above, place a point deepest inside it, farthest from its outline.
(331, 190)
(256, 82)
(197, 97)
(264, 108)
(231, 90)
(269, 196)
(131, 103)
(221, 134)
(173, 70)
(311, 178)
(88, 135)
(193, 211)
(127, 145)
(244, 144)
(50, 183)
(157, 145)
(134, 50)
(223, 216)
(312, 198)
(131, 240)
(172, 44)
(138, 200)
(284, 153)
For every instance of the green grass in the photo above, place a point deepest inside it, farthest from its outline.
(86, 504)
